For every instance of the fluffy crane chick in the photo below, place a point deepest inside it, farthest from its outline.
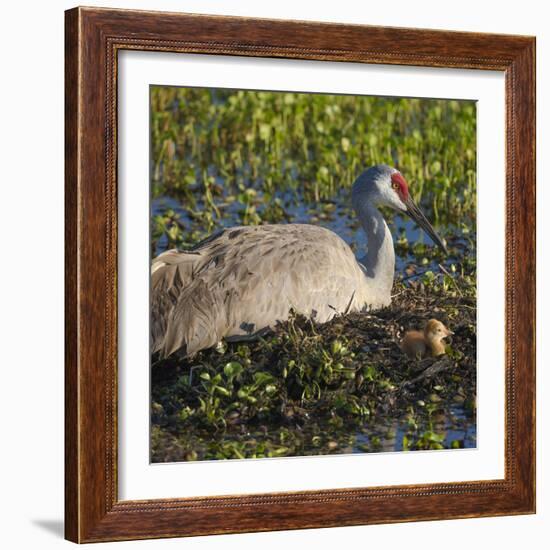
(428, 342)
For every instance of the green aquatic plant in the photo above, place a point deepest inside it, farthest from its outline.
(308, 389)
(310, 146)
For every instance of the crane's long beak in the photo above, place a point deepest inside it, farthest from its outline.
(418, 216)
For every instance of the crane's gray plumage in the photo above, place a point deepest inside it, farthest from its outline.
(238, 283)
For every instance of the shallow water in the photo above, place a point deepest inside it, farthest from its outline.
(454, 424)
(337, 216)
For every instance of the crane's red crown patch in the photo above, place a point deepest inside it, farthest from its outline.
(402, 188)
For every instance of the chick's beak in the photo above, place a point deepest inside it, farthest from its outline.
(418, 216)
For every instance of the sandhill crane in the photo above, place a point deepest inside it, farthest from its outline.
(427, 342)
(240, 282)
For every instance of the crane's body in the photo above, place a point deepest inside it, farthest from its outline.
(240, 282)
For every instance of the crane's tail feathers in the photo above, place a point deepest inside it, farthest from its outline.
(193, 324)
(171, 272)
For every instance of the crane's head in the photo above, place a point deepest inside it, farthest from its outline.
(382, 185)
(436, 331)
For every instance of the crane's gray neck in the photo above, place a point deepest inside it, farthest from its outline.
(379, 262)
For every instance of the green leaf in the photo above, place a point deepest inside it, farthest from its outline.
(262, 378)
(233, 369)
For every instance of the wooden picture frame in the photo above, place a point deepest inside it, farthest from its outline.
(93, 510)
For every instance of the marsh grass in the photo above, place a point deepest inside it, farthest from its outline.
(212, 143)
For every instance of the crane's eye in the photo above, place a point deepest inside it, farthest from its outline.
(395, 186)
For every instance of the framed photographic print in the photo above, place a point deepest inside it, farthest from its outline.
(300, 275)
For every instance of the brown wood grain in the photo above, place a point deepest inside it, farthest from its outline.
(93, 38)
(71, 282)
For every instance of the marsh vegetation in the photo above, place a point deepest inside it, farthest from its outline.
(222, 158)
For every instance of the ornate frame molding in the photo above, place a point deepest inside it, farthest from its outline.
(93, 38)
